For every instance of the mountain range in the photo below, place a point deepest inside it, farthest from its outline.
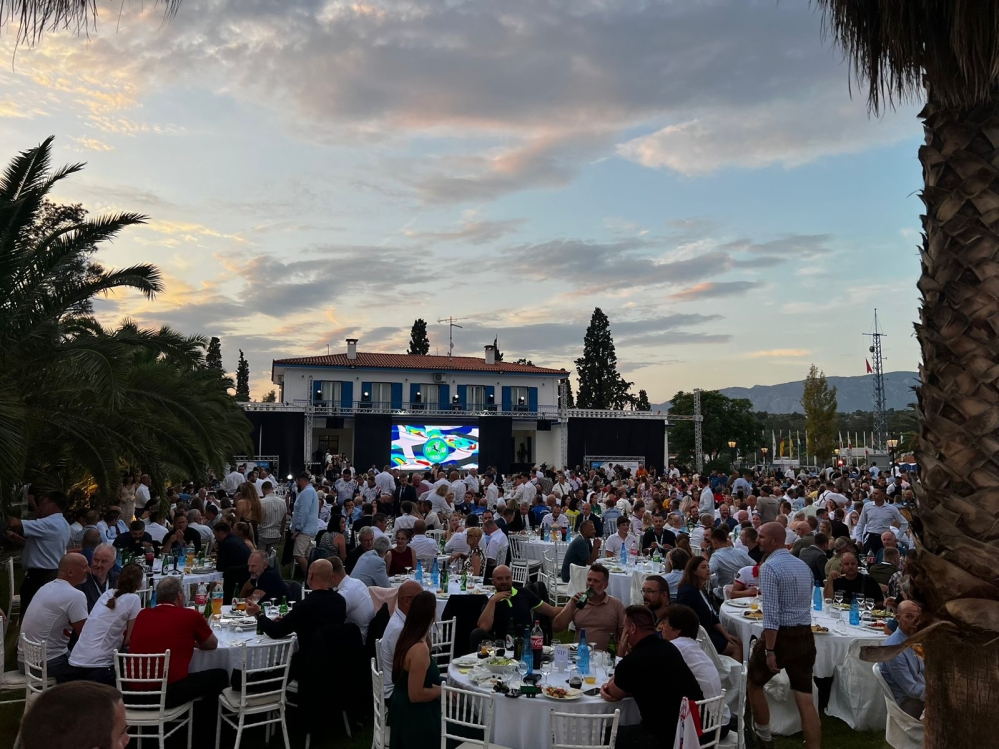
(853, 394)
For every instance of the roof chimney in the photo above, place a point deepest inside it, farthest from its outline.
(351, 348)
(490, 354)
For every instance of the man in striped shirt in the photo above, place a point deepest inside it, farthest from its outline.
(786, 585)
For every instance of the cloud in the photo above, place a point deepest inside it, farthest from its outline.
(15, 110)
(92, 144)
(800, 245)
(714, 290)
(779, 353)
(475, 232)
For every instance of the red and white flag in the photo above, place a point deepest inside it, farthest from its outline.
(869, 370)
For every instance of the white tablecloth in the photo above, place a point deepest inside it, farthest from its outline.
(454, 590)
(228, 654)
(193, 579)
(522, 723)
(535, 548)
(830, 649)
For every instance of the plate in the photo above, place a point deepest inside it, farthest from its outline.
(738, 603)
(560, 694)
(466, 661)
(203, 570)
(820, 630)
(754, 615)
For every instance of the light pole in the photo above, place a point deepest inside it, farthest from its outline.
(764, 450)
(891, 445)
(731, 446)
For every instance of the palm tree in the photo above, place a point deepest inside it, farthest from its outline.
(946, 52)
(33, 17)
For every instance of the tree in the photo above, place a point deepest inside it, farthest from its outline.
(944, 53)
(725, 419)
(819, 402)
(600, 384)
(270, 397)
(419, 341)
(570, 400)
(242, 379)
(642, 401)
(213, 358)
(499, 354)
(526, 362)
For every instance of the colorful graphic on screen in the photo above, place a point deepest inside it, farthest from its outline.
(416, 446)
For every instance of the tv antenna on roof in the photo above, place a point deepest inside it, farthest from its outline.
(452, 323)
(880, 405)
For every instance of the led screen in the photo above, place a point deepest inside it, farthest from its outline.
(416, 447)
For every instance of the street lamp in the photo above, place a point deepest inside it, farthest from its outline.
(731, 446)
(891, 445)
(764, 450)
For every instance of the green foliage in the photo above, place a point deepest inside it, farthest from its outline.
(642, 402)
(499, 354)
(78, 400)
(568, 391)
(419, 341)
(270, 397)
(819, 402)
(725, 419)
(242, 379)
(526, 362)
(600, 384)
(213, 358)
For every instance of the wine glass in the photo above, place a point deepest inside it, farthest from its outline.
(860, 607)
(546, 669)
(408, 568)
(754, 604)
(869, 607)
(522, 669)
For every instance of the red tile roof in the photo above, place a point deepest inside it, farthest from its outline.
(409, 361)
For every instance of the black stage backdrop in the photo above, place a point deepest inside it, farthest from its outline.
(496, 443)
(372, 441)
(283, 435)
(617, 437)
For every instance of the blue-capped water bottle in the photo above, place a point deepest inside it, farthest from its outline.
(419, 572)
(854, 611)
(526, 656)
(817, 597)
(624, 554)
(583, 654)
(435, 573)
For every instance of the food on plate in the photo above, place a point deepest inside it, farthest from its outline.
(557, 693)
(819, 629)
(496, 661)
(755, 615)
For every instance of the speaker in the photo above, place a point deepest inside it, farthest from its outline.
(334, 422)
(544, 425)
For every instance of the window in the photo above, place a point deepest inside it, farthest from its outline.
(429, 395)
(475, 397)
(381, 394)
(518, 397)
(327, 392)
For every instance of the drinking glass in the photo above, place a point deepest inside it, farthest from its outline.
(522, 668)
(408, 571)
(546, 669)
(754, 604)
(869, 608)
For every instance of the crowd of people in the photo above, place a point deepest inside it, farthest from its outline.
(719, 536)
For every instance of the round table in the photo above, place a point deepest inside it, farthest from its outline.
(523, 723)
(831, 648)
(453, 591)
(535, 548)
(228, 654)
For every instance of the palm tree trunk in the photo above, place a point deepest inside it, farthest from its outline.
(957, 521)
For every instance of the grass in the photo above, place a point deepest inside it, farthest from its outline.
(835, 733)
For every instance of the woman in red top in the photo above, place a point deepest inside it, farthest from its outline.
(400, 558)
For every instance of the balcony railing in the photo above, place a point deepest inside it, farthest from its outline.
(410, 409)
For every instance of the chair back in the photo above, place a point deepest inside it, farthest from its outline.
(464, 712)
(378, 654)
(36, 668)
(142, 680)
(709, 649)
(144, 595)
(582, 731)
(379, 725)
(548, 563)
(519, 573)
(442, 641)
(437, 535)
(517, 548)
(577, 579)
(637, 581)
(9, 564)
(711, 711)
(265, 670)
(550, 584)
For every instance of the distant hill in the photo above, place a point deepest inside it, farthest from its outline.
(853, 393)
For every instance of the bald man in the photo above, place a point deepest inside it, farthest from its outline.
(57, 609)
(323, 607)
(386, 653)
(906, 672)
(787, 643)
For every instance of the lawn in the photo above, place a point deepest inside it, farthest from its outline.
(835, 733)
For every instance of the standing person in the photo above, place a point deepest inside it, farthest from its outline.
(640, 675)
(875, 519)
(45, 541)
(126, 498)
(767, 507)
(304, 521)
(142, 495)
(415, 704)
(787, 643)
(706, 501)
(269, 530)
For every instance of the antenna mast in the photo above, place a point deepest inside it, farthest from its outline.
(451, 325)
(880, 405)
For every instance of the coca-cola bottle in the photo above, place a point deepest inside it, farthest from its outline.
(537, 644)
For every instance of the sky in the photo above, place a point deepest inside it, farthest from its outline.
(704, 171)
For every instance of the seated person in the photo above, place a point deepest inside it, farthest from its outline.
(676, 563)
(746, 583)
(323, 607)
(680, 627)
(57, 610)
(583, 551)
(136, 540)
(509, 610)
(476, 554)
(171, 626)
(265, 583)
(182, 534)
(75, 716)
(623, 537)
(602, 616)
(694, 593)
(645, 658)
(365, 543)
(370, 567)
(102, 576)
(906, 672)
(231, 550)
(498, 549)
(849, 580)
(360, 607)
(555, 519)
(658, 538)
(883, 571)
(424, 546)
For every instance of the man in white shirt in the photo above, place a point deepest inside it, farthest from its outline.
(700, 533)
(194, 521)
(407, 519)
(680, 627)
(472, 480)
(530, 492)
(498, 546)
(422, 545)
(275, 509)
(492, 492)
(706, 503)
(555, 519)
(390, 638)
(623, 537)
(458, 487)
(57, 609)
(142, 492)
(385, 481)
(562, 488)
(360, 609)
(231, 482)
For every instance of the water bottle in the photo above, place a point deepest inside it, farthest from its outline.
(544, 533)
(624, 554)
(526, 656)
(568, 534)
(583, 654)
(419, 572)
(817, 597)
(854, 611)
(435, 574)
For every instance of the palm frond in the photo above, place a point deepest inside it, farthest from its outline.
(35, 17)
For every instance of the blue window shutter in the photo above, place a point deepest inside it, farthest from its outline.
(366, 388)
(444, 398)
(490, 396)
(347, 394)
(463, 396)
(507, 399)
(532, 399)
(414, 388)
(396, 395)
